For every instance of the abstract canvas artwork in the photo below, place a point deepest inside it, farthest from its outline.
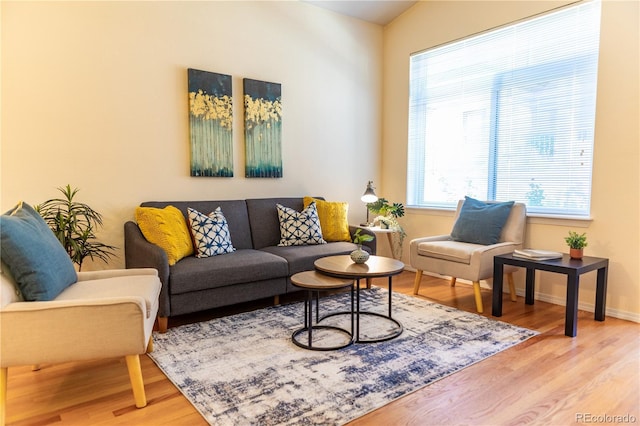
(262, 128)
(210, 123)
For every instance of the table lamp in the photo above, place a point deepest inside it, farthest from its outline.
(369, 196)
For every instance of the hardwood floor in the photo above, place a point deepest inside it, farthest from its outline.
(550, 379)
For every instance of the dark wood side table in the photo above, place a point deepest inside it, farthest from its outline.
(572, 268)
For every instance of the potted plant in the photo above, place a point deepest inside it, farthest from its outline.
(577, 243)
(74, 224)
(388, 214)
(359, 255)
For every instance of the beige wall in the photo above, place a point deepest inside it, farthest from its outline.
(614, 231)
(94, 94)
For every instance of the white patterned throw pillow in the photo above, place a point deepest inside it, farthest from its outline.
(210, 233)
(299, 228)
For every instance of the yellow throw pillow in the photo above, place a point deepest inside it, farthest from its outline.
(166, 228)
(333, 219)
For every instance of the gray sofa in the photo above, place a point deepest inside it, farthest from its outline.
(257, 269)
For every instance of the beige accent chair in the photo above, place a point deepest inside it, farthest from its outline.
(473, 262)
(104, 314)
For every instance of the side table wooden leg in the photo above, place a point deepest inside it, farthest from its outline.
(571, 316)
(530, 286)
(496, 305)
(601, 295)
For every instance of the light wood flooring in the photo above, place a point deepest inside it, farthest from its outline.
(550, 379)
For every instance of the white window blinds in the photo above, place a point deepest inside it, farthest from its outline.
(508, 115)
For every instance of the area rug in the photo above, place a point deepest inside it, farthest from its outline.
(245, 370)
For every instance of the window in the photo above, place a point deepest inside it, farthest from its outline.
(508, 115)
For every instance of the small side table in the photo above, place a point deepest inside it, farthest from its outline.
(314, 282)
(572, 268)
(392, 235)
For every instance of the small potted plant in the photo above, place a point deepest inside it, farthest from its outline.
(577, 243)
(359, 255)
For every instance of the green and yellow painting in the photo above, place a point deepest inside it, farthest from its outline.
(210, 123)
(262, 128)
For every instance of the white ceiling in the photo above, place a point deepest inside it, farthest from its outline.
(376, 11)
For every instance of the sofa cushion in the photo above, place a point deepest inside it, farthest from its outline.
(480, 222)
(333, 218)
(241, 266)
(299, 228)
(167, 228)
(210, 233)
(235, 211)
(301, 258)
(37, 261)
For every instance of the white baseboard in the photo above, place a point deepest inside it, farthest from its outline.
(543, 297)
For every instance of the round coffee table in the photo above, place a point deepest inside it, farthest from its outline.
(314, 282)
(377, 266)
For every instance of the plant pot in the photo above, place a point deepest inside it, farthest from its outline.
(576, 253)
(359, 255)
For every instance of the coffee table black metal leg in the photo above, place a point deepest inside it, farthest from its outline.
(352, 314)
(357, 339)
(571, 316)
(496, 306)
(310, 318)
(390, 293)
(601, 295)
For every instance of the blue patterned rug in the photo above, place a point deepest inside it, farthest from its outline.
(245, 370)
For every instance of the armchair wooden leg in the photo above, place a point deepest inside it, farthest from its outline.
(452, 282)
(163, 324)
(369, 281)
(3, 394)
(512, 287)
(416, 282)
(150, 345)
(476, 291)
(135, 376)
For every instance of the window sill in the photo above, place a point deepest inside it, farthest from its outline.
(532, 218)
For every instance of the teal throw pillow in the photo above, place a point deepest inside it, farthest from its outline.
(38, 262)
(480, 222)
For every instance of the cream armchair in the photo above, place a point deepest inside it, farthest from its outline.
(474, 262)
(104, 314)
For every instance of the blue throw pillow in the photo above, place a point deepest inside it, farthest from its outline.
(210, 233)
(38, 262)
(299, 228)
(480, 222)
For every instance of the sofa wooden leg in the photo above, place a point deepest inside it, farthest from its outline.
(163, 324)
(369, 281)
(512, 287)
(135, 376)
(276, 300)
(416, 282)
(4, 371)
(452, 281)
(476, 291)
